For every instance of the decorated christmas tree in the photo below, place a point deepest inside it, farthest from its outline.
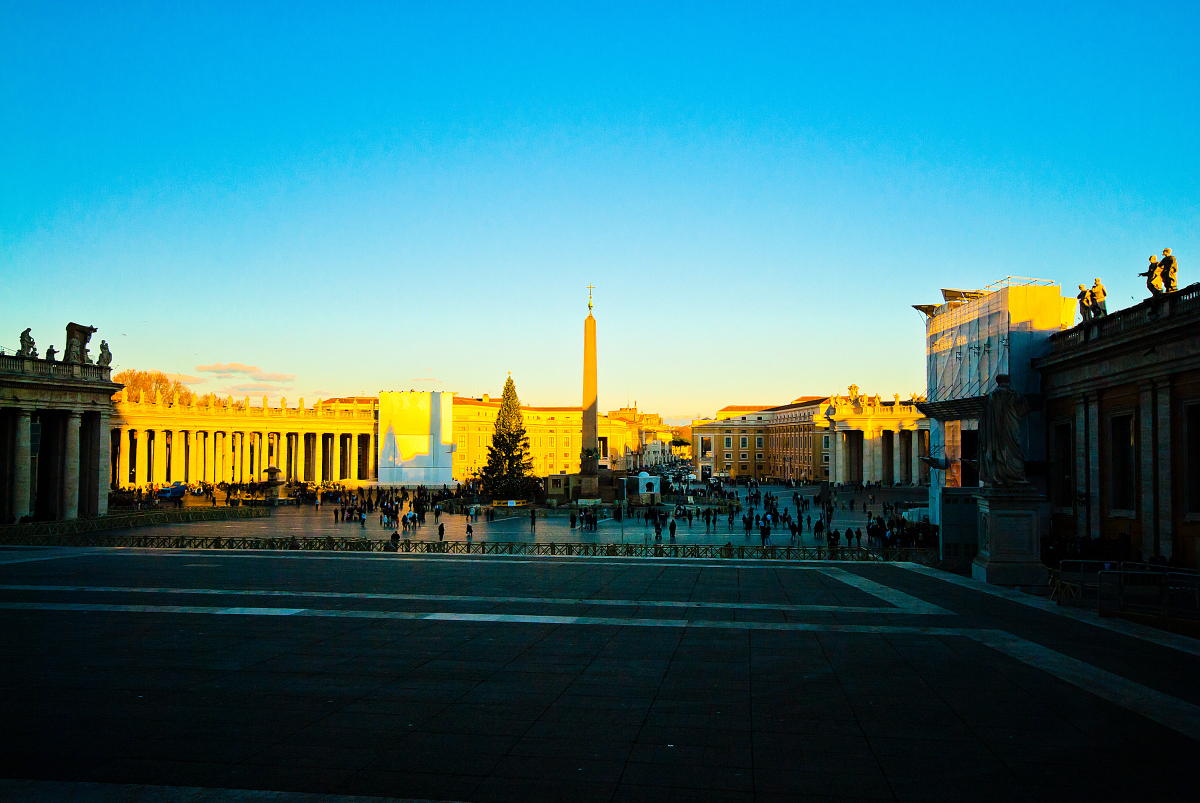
(507, 474)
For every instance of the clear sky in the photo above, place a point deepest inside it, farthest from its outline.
(341, 198)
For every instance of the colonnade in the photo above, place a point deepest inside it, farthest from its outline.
(59, 463)
(878, 455)
(143, 456)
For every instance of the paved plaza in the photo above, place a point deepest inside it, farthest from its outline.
(526, 679)
(306, 521)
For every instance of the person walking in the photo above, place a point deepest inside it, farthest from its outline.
(532, 519)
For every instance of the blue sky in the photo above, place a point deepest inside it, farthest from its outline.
(349, 198)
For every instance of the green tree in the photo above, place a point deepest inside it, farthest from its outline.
(508, 473)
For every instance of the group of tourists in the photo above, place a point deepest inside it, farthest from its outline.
(586, 519)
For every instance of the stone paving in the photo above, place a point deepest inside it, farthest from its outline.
(525, 679)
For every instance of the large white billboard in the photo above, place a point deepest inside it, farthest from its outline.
(416, 438)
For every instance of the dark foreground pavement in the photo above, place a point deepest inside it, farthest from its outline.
(494, 679)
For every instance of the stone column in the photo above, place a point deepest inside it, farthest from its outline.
(1166, 532)
(70, 486)
(264, 449)
(1081, 467)
(141, 469)
(226, 456)
(1147, 459)
(916, 456)
(1094, 464)
(105, 479)
(160, 456)
(299, 457)
(244, 447)
(23, 464)
(122, 457)
(337, 457)
(178, 453)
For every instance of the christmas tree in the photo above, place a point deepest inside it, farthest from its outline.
(507, 473)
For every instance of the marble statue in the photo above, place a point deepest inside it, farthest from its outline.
(105, 355)
(1099, 308)
(1085, 303)
(27, 349)
(50, 352)
(1153, 276)
(1002, 459)
(77, 340)
(1170, 271)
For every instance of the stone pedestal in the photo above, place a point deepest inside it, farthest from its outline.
(1010, 527)
(589, 487)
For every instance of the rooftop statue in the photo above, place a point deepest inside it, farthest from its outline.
(27, 349)
(1099, 308)
(50, 352)
(105, 358)
(1085, 303)
(77, 340)
(1169, 266)
(1153, 276)
(1002, 459)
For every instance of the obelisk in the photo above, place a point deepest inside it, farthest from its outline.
(590, 455)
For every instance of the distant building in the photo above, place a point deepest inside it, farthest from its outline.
(972, 337)
(157, 441)
(1122, 424)
(843, 439)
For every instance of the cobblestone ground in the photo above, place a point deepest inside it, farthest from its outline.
(182, 675)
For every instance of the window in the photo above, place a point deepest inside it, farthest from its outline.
(745, 456)
(745, 441)
(758, 456)
(1062, 463)
(1191, 460)
(1123, 473)
(729, 455)
(824, 458)
(758, 442)
(742, 467)
(824, 441)
(706, 446)
(728, 442)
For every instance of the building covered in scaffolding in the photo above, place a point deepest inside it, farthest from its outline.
(972, 337)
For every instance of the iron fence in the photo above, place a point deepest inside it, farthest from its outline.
(17, 534)
(926, 557)
(1164, 594)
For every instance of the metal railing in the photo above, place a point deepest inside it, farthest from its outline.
(343, 544)
(20, 534)
(1164, 594)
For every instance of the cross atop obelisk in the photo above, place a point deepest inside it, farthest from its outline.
(590, 288)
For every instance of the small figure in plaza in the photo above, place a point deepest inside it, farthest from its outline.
(1099, 308)
(1002, 460)
(50, 352)
(105, 358)
(1153, 276)
(1085, 304)
(1168, 267)
(27, 347)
